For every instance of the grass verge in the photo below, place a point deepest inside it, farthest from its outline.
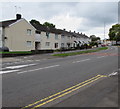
(80, 52)
(16, 52)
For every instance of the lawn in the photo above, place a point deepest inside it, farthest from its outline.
(80, 52)
(16, 52)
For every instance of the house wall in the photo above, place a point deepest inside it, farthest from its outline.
(17, 36)
(51, 40)
(0, 36)
(62, 41)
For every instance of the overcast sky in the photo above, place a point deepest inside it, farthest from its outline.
(85, 17)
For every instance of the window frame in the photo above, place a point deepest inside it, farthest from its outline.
(47, 44)
(29, 44)
(29, 32)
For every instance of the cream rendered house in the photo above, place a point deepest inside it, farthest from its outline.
(18, 34)
(1, 37)
(46, 38)
(51, 38)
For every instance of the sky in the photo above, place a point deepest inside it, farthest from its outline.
(91, 17)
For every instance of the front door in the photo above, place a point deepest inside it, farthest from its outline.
(37, 45)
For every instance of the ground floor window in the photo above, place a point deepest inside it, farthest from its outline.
(47, 44)
(68, 45)
(62, 44)
(29, 43)
(56, 45)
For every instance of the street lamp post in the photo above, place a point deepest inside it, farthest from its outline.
(104, 32)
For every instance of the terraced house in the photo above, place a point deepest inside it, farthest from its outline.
(52, 38)
(17, 34)
(20, 35)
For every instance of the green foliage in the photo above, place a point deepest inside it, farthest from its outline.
(34, 22)
(49, 25)
(93, 43)
(37, 23)
(80, 52)
(114, 32)
(94, 38)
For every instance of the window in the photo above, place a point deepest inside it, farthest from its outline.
(62, 44)
(47, 44)
(68, 37)
(62, 36)
(56, 36)
(29, 31)
(29, 43)
(47, 34)
(56, 45)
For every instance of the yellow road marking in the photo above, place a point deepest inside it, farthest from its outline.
(97, 77)
(64, 94)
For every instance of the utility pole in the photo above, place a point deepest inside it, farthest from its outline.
(104, 31)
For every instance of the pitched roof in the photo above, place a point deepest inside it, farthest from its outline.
(7, 23)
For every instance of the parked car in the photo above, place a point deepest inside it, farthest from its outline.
(103, 45)
(6, 49)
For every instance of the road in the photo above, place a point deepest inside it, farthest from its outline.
(87, 80)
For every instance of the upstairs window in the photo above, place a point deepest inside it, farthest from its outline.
(56, 36)
(47, 34)
(68, 37)
(62, 36)
(29, 32)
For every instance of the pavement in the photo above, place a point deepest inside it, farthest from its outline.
(86, 80)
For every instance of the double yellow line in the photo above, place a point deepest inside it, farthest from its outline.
(62, 93)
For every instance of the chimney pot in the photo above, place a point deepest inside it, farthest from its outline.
(18, 16)
(64, 29)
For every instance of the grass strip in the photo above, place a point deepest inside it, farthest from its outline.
(80, 52)
(16, 52)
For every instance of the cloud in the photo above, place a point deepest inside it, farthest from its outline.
(87, 17)
(96, 13)
(66, 21)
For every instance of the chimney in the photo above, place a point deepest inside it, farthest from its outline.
(78, 32)
(18, 16)
(74, 31)
(70, 31)
(64, 29)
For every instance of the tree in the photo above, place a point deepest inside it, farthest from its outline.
(35, 22)
(49, 25)
(94, 38)
(114, 33)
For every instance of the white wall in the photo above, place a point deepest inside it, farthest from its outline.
(0, 36)
(37, 37)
